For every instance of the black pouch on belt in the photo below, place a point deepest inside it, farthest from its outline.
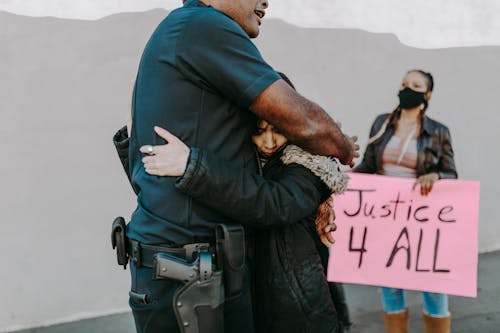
(230, 243)
(119, 241)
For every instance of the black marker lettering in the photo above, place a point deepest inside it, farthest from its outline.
(418, 253)
(443, 211)
(387, 209)
(408, 215)
(396, 203)
(360, 203)
(362, 249)
(396, 249)
(436, 248)
(370, 213)
(423, 219)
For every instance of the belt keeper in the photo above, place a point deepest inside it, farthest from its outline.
(195, 248)
(136, 253)
(139, 298)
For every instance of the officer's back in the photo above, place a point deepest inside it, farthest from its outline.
(198, 84)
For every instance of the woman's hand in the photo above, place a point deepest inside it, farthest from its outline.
(166, 160)
(426, 182)
(325, 225)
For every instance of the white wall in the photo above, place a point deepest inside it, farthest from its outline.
(419, 23)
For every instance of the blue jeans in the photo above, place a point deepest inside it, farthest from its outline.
(434, 304)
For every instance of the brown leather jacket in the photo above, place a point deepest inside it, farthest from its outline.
(435, 153)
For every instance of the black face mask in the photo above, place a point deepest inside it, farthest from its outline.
(409, 98)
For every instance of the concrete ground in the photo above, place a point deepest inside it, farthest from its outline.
(479, 315)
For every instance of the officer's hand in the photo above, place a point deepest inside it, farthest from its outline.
(166, 160)
(355, 148)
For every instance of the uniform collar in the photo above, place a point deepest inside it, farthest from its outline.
(194, 3)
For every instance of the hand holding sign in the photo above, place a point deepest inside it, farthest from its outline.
(426, 182)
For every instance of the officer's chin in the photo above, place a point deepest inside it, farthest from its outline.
(253, 32)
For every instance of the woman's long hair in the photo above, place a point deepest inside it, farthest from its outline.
(397, 111)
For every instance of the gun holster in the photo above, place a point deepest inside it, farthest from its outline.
(198, 303)
(119, 241)
(230, 244)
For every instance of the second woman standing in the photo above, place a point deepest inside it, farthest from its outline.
(407, 143)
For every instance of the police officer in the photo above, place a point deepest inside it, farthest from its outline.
(202, 78)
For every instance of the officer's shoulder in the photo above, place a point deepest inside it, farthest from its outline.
(209, 19)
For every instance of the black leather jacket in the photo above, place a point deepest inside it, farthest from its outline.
(290, 284)
(435, 153)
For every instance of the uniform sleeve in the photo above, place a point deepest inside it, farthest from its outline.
(249, 198)
(216, 53)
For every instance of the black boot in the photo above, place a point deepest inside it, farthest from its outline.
(338, 296)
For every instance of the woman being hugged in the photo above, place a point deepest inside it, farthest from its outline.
(407, 143)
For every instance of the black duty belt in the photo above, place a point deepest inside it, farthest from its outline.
(143, 254)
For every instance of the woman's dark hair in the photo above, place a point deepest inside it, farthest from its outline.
(286, 79)
(430, 85)
(428, 77)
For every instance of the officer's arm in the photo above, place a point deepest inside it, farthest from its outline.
(216, 54)
(303, 122)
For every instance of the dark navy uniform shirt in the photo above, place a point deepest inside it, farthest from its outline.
(198, 75)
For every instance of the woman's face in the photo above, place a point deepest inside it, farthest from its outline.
(415, 81)
(267, 139)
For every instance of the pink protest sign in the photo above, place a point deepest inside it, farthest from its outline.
(389, 235)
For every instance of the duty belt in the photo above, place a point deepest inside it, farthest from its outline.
(144, 254)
